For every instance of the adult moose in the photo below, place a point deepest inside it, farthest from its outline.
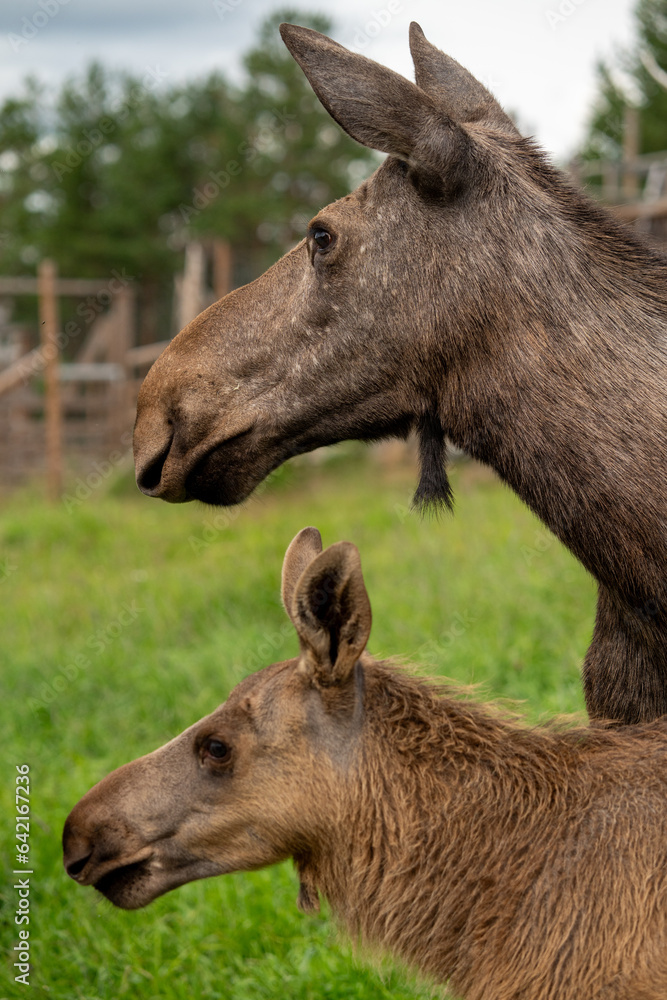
(466, 290)
(517, 864)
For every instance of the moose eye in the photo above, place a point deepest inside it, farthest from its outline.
(217, 750)
(322, 238)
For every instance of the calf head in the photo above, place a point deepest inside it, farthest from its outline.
(346, 335)
(260, 778)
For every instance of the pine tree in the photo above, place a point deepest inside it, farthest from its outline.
(634, 80)
(120, 171)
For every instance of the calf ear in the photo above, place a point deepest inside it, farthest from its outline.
(377, 107)
(301, 551)
(332, 614)
(453, 87)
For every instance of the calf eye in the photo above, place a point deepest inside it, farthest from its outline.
(218, 750)
(322, 238)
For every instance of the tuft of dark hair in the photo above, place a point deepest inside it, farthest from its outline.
(434, 491)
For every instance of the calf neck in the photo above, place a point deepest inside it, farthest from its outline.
(467, 291)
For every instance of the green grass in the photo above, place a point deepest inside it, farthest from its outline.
(124, 620)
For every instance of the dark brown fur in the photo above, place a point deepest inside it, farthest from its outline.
(468, 292)
(516, 864)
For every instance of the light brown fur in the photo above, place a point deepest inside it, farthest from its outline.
(514, 863)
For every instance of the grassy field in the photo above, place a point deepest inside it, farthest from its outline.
(123, 620)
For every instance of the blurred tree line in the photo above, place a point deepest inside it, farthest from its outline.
(637, 78)
(120, 172)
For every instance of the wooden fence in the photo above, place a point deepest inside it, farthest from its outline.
(70, 423)
(634, 186)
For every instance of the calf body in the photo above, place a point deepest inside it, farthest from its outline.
(465, 290)
(515, 864)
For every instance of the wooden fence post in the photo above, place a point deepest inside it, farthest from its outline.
(222, 268)
(630, 153)
(48, 325)
(122, 341)
(192, 284)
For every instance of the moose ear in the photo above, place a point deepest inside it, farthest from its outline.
(301, 551)
(332, 614)
(377, 107)
(454, 89)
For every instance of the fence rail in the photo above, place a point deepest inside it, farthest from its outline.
(58, 417)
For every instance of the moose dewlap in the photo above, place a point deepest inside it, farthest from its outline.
(511, 862)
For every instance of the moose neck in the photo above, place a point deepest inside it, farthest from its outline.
(542, 395)
(444, 799)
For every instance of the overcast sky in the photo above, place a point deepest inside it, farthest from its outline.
(537, 56)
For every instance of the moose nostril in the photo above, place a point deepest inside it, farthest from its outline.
(74, 868)
(149, 478)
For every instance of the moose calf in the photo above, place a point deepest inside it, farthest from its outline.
(513, 863)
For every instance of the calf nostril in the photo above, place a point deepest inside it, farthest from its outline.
(74, 868)
(149, 478)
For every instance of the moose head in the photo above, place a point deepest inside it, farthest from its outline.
(344, 337)
(250, 784)
(465, 290)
